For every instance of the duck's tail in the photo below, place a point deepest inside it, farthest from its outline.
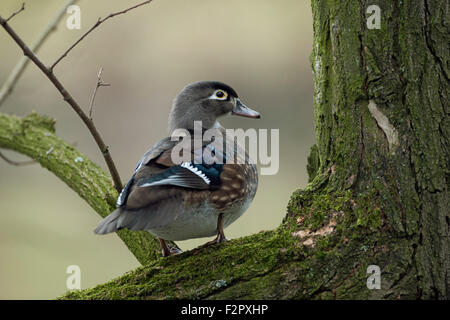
(109, 224)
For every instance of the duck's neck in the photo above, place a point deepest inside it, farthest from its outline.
(187, 121)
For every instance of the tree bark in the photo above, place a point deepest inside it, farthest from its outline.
(379, 190)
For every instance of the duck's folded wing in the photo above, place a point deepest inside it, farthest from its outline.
(156, 168)
(172, 182)
(156, 200)
(155, 152)
(185, 175)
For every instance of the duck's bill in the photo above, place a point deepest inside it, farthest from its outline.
(242, 110)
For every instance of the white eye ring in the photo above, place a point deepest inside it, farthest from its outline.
(215, 95)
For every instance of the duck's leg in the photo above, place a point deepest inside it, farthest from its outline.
(220, 234)
(166, 251)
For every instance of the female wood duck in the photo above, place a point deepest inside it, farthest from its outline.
(191, 199)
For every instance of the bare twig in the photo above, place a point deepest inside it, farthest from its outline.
(15, 74)
(16, 163)
(69, 99)
(100, 83)
(99, 22)
(17, 12)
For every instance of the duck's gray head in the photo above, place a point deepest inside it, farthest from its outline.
(205, 101)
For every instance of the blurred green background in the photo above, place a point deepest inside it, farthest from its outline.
(259, 47)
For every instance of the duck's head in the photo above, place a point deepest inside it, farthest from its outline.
(205, 101)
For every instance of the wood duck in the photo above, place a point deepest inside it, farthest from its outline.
(191, 199)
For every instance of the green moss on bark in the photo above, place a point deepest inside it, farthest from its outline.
(276, 264)
(313, 163)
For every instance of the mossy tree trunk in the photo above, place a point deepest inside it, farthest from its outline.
(379, 176)
(383, 129)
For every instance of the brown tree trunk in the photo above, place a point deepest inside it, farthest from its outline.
(382, 120)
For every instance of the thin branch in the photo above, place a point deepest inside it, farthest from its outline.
(100, 83)
(99, 22)
(15, 74)
(17, 12)
(16, 163)
(69, 99)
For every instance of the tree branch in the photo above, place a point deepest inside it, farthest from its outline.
(100, 83)
(15, 74)
(34, 136)
(16, 163)
(17, 12)
(69, 99)
(245, 268)
(99, 22)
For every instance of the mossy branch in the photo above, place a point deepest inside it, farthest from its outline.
(286, 263)
(35, 137)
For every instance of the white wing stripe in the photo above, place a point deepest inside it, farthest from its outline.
(193, 169)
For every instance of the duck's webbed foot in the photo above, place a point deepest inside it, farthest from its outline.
(166, 250)
(216, 240)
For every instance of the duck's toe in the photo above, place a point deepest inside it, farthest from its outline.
(168, 250)
(218, 239)
(171, 252)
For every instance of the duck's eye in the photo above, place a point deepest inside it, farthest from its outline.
(220, 94)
